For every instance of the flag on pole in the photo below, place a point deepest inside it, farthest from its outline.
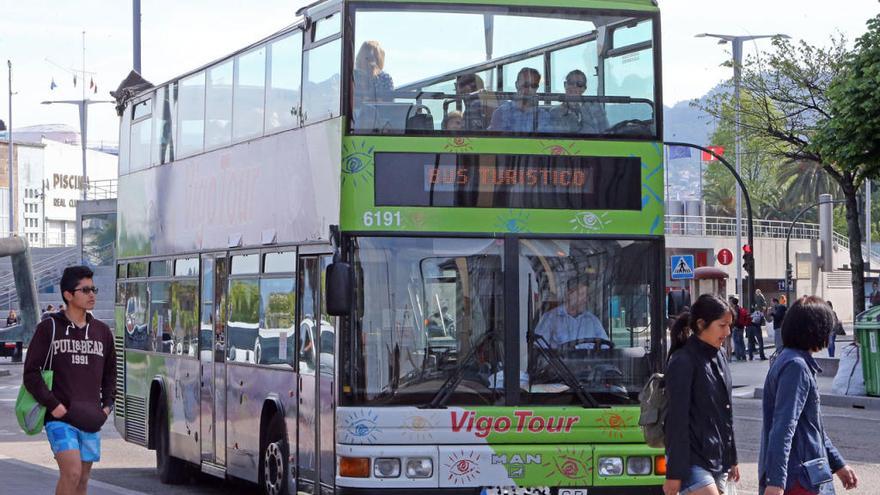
(96, 89)
(708, 157)
(676, 152)
(92, 83)
(52, 86)
(74, 80)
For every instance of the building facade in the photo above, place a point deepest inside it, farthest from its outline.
(47, 183)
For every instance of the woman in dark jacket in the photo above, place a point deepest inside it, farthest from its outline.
(797, 457)
(700, 450)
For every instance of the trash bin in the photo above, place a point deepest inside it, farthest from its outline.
(867, 328)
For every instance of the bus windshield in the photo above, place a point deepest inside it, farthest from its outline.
(429, 69)
(431, 311)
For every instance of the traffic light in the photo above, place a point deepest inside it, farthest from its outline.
(748, 260)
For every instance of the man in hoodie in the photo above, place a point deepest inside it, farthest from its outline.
(84, 387)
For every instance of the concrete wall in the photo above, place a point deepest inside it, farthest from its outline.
(770, 266)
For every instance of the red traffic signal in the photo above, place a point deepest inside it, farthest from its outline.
(747, 249)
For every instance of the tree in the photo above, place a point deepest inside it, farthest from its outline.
(791, 90)
(850, 137)
(759, 171)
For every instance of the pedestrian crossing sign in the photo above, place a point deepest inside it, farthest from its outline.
(682, 267)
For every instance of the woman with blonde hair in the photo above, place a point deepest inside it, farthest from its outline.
(371, 82)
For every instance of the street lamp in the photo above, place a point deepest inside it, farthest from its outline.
(83, 106)
(737, 42)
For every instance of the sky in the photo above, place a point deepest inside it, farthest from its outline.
(44, 41)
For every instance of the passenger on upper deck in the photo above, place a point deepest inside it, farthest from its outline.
(575, 115)
(454, 121)
(468, 87)
(371, 83)
(571, 321)
(521, 114)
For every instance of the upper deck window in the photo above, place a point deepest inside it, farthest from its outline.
(218, 113)
(424, 69)
(191, 115)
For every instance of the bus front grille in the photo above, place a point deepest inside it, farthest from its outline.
(136, 420)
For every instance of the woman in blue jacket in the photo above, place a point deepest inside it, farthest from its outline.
(700, 449)
(797, 457)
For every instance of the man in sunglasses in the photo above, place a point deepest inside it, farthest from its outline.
(521, 114)
(575, 115)
(79, 348)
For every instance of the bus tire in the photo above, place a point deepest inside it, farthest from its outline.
(273, 459)
(171, 470)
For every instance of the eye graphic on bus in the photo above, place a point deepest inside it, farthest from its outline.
(558, 149)
(361, 427)
(587, 220)
(463, 467)
(356, 158)
(568, 463)
(515, 222)
(570, 467)
(418, 427)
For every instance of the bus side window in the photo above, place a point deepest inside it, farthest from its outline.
(322, 83)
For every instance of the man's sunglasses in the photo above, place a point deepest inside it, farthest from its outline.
(87, 290)
(580, 84)
(530, 85)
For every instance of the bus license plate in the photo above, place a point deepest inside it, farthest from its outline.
(572, 491)
(513, 490)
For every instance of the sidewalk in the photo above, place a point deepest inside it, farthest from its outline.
(748, 381)
(22, 477)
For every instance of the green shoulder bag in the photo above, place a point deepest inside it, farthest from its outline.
(30, 413)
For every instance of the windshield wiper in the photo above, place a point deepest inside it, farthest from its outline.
(442, 396)
(562, 370)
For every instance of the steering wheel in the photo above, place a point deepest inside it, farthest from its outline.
(598, 343)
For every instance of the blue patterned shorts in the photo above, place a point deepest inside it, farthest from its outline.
(63, 436)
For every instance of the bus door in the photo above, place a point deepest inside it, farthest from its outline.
(315, 351)
(212, 357)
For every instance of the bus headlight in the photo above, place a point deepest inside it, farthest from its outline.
(419, 467)
(638, 466)
(610, 466)
(386, 467)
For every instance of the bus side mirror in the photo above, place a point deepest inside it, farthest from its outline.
(339, 289)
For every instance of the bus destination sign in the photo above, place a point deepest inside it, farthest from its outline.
(508, 181)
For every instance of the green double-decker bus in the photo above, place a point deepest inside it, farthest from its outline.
(401, 247)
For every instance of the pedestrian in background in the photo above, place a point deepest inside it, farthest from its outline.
(49, 309)
(838, 330)
(796, 456)
(12, 318)
(740, 322)
(778, 314)
(84, 384)
(760, 300)
(755, 333)
(700, 448)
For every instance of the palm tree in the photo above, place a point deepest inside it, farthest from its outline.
(804, 180)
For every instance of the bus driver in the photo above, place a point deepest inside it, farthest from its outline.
(572, 320)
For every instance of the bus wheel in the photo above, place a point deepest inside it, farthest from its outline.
(172, 471)
(273, 472)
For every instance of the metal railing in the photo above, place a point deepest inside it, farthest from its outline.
(54, 239)
(690, 225)
(726, 227)
(102, 189)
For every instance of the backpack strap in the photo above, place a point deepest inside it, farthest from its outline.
(47, 364)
